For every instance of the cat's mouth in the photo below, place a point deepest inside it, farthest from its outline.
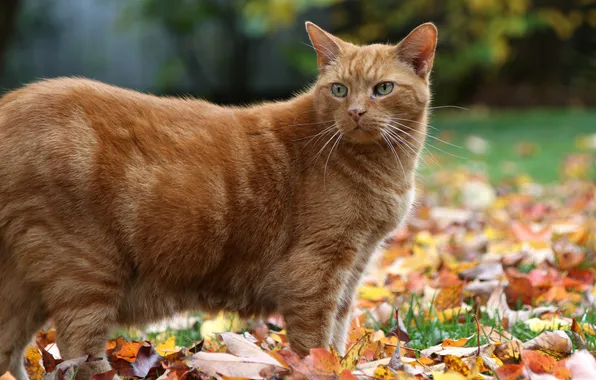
(363, 133)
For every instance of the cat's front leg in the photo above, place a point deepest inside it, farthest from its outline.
(309, 304)
(345, 306)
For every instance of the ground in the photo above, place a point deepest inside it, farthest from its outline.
(492, 277)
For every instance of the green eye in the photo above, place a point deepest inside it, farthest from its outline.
(384, 88)
(339, 90)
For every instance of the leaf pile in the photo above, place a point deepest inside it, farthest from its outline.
(488, 282)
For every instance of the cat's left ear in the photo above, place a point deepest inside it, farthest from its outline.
(418, 49)
(326, 45)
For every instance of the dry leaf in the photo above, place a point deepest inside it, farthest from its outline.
(217, 364)
(555, 343)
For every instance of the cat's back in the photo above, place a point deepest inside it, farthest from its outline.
(65, 142)
(50, 124)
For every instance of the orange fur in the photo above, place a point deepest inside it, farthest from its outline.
(118, 207)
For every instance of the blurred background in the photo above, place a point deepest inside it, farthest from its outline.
(525, 70)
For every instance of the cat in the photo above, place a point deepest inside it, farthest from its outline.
(118, 207)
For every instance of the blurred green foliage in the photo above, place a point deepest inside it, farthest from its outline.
(482, 42)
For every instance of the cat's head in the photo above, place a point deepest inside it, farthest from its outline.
(365, 89)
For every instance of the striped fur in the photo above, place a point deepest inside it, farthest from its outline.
(118, 207)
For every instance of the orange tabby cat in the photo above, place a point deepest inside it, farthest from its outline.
(118, 207)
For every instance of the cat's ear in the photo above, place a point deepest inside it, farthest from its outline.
(326, 45)
(418, 48)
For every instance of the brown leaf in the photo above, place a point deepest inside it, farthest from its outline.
(510, 372)
(509, 352)
(129, 351)
(49, 362)
(555, 343)
(537, 361)
(449, 297)
(105, 376)
(44, 339)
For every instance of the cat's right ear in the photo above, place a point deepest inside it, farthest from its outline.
(326, 45)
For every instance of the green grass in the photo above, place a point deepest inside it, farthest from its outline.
(554, 132)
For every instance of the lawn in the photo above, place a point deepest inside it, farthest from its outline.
(531, 142)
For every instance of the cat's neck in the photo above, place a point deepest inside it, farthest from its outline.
(312, 138)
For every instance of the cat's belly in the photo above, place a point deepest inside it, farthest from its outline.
(149, 300)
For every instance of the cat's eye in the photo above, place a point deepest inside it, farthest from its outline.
(384, 88)
(339, 90)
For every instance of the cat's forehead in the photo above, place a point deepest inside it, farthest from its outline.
(368, 63)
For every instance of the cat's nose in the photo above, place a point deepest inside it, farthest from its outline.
(356, 113)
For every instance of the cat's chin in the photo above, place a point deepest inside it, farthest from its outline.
(362, 136)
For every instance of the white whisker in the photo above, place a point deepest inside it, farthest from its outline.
(428, 135)
(427, 143)
(384, 135)
(457, 107)
(422, 148)
(404, 141)
(413, 121)
(329, 156)
(315, 123)
(327, 143)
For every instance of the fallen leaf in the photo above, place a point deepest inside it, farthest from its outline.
(353, 355)
(456, 343)
(167, 347)
(33, 365)
(555, 343)
(538, 362)
(373, 293)
(455, 364)
(218, 364)
(510, 372)
(129, 351)
(240, 346)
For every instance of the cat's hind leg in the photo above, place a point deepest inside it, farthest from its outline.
(21, 316)
(81, 283)
(84, 306)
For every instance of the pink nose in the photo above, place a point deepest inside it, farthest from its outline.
(356, 113)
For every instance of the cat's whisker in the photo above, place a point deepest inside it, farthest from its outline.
(404, 141)
(384, 135)
(457, 107)
(422, 143)
(329, 156)
(321, 135)
(325, 145)
(327, 53)
(413, 121)
(316, 134)
(427, 143)
(413, 149)
(398, 144)
(315, 123)
(428, 135)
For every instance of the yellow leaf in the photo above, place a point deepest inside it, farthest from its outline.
(449, 314)
(222, 323)
(382, 372)
(279, 337)
(455, 343)
(453, 363)
(448, 376)
(168, 347)
(373, 293)
(352, 357)
(34, 368)
(539, 325)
